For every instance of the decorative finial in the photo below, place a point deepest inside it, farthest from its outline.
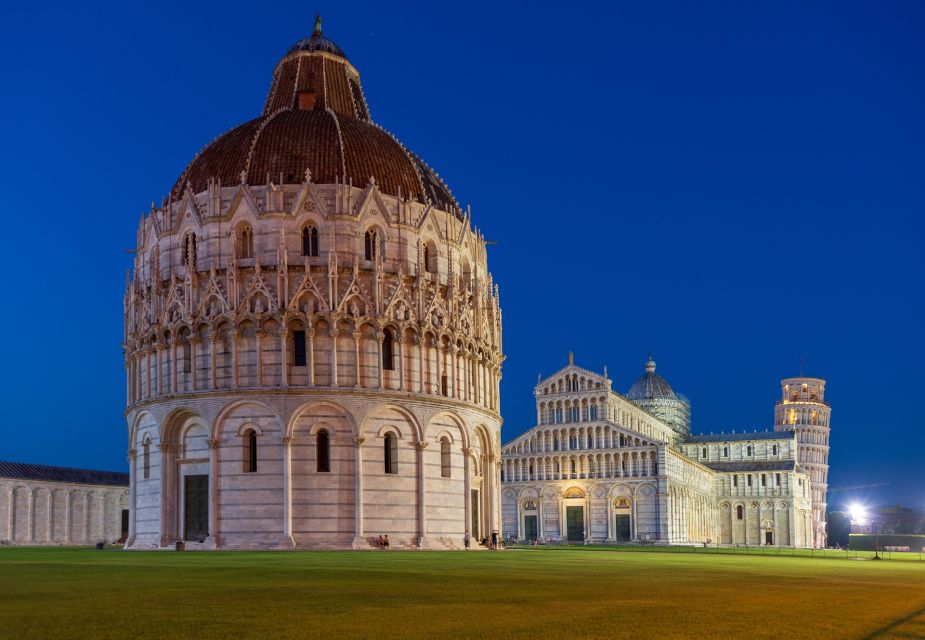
(571, 358)
(317, 29)
(650, 365)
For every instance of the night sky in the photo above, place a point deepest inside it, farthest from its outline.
(728, 186)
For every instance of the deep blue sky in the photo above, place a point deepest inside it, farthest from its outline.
(727, 185)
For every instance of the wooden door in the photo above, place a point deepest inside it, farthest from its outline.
(622, 528)
(575, 523)
(196, 508)
(530, 528)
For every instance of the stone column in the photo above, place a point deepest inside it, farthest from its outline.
(86, 517)
(258, 339)
(50, 526)
(133, 479)
(359, 541)
(401, 363)
(214, 498)
(334, 333)
(235, 335)
(356, 359)
(310, 334)
(380, 338)
(283, 357)
(467, 482)
(287, 540)
(213, 374)
(159, 359)
(194, 358)
(421, 386)
(129, 385)
(147, 365)
(438, 357)
(67, 517)
(173, 364)
(137, 376)
(31, 510)
(421, 445)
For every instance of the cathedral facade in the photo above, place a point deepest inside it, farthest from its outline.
(312, 337)
(603, 467)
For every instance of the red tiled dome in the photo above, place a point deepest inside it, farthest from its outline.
(315, 118)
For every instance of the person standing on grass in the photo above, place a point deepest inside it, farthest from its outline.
(385, 541)
(494, 540)
(466, 540)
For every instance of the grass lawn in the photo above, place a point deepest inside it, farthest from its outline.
(561, 594)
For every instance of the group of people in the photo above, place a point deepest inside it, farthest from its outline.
(382, 541)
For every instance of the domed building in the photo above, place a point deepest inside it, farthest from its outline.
(312, 337)
(653, 393)
(600, 467)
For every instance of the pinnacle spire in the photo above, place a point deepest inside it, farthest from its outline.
(317, 29)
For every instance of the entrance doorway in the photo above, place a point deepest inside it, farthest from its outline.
(575, 524)
(769, 537)
(622, 528)
(530, 528)
(124, 528)
(196, 508)
(474, 507)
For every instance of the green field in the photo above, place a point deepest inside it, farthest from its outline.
(560, 593)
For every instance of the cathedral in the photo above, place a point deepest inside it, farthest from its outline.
(312, 337)
(605, 467)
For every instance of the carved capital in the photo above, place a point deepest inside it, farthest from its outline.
(420, 445)
(468, 451)
(214, 444)
(260, 333)
(334, 333)
(284, 333)
(358, 441)
(287, 441)
(357, 335)
(194, 339)
(380, 337)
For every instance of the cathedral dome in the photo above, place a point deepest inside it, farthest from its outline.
(651, 386)
(317, 42)
(315, 122)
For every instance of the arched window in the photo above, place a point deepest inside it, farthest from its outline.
(323, 451)
(390, 453)
(146, 459)
(430, 258)
(726, 452)
(703, 453)
(444, 457)
(187, 356)
(246, 247)
(388, 351)
(740, 512)
(298, 349)
(250, 451)
(749, 450)
(189, 250)
(309, 241)
(774, 450)
(371, 240)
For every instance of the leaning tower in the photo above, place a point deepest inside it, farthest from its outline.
(803, 409)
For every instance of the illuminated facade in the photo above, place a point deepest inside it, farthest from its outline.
(312, 337)
(803, 410)
(601, 467)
